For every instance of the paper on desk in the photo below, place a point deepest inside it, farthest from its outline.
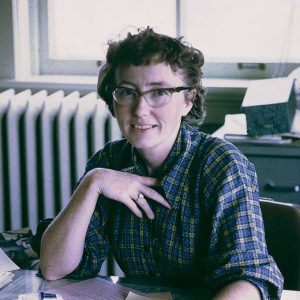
(5, 278)
(95, 288)
(6, 264)
(152, 296)
(237, 124)
(290, 295)
(296, 122)
(233, 124)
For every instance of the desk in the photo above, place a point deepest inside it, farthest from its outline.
(26, 281)
(278, 169)
(277, 165)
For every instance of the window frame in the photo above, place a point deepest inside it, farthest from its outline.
(44, 64)
(41, 64)
(48, 66)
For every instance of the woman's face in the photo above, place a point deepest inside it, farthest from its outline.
(145, 127)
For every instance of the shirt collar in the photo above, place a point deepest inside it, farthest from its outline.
(171, 178)
(138, 166)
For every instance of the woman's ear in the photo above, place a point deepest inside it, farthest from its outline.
(188, 106)
(189, 101)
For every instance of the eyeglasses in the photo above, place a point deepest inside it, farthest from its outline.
(155, 98)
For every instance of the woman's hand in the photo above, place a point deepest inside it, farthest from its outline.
(128, 189)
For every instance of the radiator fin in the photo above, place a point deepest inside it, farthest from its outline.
(45, 141)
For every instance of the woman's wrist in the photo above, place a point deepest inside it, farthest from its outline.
(93, 181)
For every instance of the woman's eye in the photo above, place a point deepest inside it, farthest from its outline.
(126, 92)
(160, 93)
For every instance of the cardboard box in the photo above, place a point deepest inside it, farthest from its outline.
(269, 105)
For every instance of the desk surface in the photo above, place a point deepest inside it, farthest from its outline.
(26, 281)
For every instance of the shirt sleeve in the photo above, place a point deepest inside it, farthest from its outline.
(96, 246)
(236, 245)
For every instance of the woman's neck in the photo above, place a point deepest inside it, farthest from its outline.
(156, 156)
(154, 161)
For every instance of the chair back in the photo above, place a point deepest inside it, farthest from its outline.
(282, 228)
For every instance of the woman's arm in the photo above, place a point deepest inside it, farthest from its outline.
(241, 289)
(63, 242)
(237, 248)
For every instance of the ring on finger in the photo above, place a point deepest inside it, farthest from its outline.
(140, 197)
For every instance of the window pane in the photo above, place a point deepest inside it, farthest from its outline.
(242, 30)
(80, 29)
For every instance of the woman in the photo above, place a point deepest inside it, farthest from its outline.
(168, 200)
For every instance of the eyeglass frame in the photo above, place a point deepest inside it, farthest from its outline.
(172, 90)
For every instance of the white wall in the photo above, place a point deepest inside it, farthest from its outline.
(6, 40)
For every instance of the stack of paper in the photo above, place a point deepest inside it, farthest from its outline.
(235, 130)
(6, 266)
(104, 289)
(234, 124)
(5, 278)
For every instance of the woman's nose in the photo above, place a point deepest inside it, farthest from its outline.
(141, 107)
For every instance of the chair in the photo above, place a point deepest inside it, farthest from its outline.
(282, 228)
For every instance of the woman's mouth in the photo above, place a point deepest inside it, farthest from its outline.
(142, 126)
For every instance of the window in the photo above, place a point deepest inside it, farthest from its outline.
(77, 30)
(93, 22)
(262, 35)
(239, 38)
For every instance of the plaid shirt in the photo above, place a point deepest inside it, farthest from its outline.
(214, 232)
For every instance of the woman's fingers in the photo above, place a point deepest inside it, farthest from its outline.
(150, 193)
(154, 195)
(143, 192)
(130, 189)
(148, 181)
(142, 202)
(139, 202)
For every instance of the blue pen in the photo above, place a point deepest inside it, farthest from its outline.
(44, 295)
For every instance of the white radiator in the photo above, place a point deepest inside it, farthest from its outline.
(45, 141)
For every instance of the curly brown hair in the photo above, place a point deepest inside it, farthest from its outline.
(148, 47)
